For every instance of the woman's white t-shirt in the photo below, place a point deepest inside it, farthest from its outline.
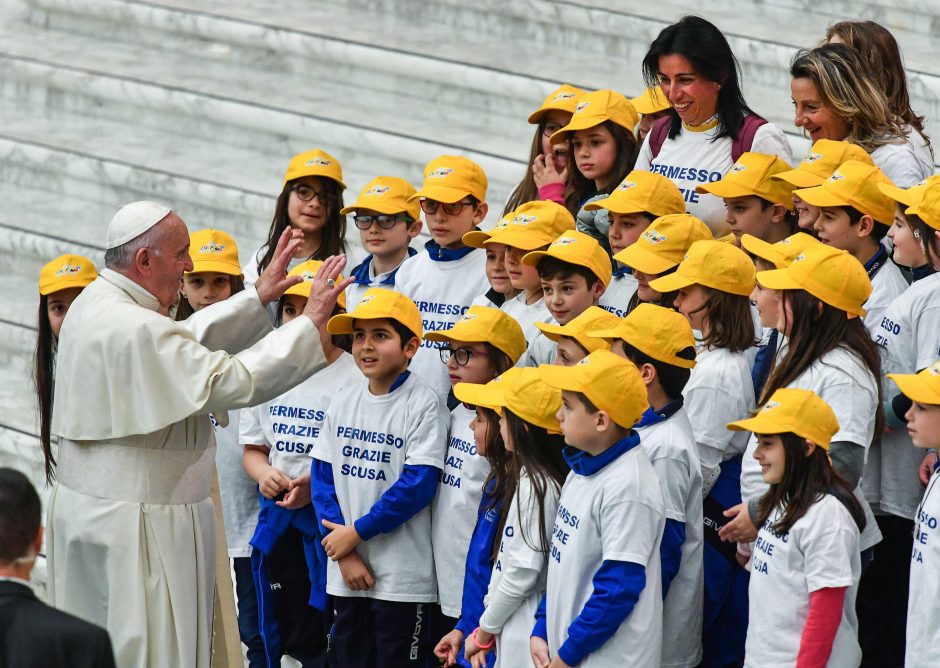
(906, 163)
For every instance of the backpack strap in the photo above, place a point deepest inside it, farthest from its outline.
(658, 134)
(745, 139)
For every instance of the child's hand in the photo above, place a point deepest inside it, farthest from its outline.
(544, 172)
(341, 540)
(558, 663)
(448, 647)
(926, 468)
(298, 494)
(478, 660)
(740, 529)
(355, 572)
(538, 648)
(272, 482)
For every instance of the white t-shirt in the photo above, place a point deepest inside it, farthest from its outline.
(820, 551)
(541, 350)
(692, 158)
(454, 510)
(356, 291)
(618, 294)
(250, 276)
(368, 440)
(443, 291)
(290, 424)
(527, 315)
(844, 382)
(670, 445)
(907, 163)
(238, 492)
(923, 607)
(616, 514)
(886, 286)
(719, 391)
(484, 300)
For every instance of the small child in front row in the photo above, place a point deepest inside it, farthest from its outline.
(378, 457)
(805, 566)
(603, 603)
(573, 340)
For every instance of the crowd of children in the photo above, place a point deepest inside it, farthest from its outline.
(668, 411)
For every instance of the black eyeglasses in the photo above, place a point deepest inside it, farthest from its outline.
(549, 128)
(429, 206)
(305, 193)
(461, 355)
(384, 221)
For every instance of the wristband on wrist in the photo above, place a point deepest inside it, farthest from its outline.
(479, 644)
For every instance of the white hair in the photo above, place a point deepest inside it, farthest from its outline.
(121, 258)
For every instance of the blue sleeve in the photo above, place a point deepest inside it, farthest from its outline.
(670, 551)
(479, 565)
(540, 629)
(323, 494)
(414, 489)
(617, 588)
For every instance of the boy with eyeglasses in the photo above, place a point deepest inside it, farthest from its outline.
(387, 220)
(445, 280)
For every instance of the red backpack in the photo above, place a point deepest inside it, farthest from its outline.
(740, 144)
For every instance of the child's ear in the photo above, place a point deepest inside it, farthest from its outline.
(810, 446)
(779, 213)
(865, 225)
(411, 347)
(602, 420)
(598, 289)
(480, 213)
(648, 373)
(414, 228)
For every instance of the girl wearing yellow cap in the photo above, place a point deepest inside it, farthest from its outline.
(60, 282)
(805, 567)
(216, 273)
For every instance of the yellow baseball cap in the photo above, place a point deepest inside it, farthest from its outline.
(595, 108)
(476, 238)
(793, 410)
(831, 275)
(923, 387)
(715, 265)
(214, 250)
(908, 196)
(307, 270)
(66, 271)
(608, 381)
(483, 324)
(594, 317)
(727, 239)
(781, 253)
(389, 195)
(378, 303)
(533, 225)
(643, 192)
(750, 175)
(563, 98)
(658, 332)
(854, 184)
(315, 163)
(821, 161)
(521, 391)
(652, 101)
(664, 243)
(450, 178)
(577, 248)
(928, 209)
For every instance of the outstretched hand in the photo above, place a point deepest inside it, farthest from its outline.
(273, 281)
(326, 289)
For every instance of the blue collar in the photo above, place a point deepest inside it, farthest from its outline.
(363, 276)
(654, 417)
(922, 272)
(587, 465)
(622, 270)
(440, 254)
(402, 377)
(877, 261)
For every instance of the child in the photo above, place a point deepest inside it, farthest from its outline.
(497, 275)
(482, 344)
(661, 345)
(573, 343)
(288, 564)
(923, 425)
(216, 274)
(378, 460)
(651, 105)
(906, 247)
(855, 216)
(530, 430)
(574, 270)
(603, 604)
(60, 282)
(806, 567)
(658, 251)
(601, 142)
(445, 280)
(634, 204)
(387, 220)
(756, 204)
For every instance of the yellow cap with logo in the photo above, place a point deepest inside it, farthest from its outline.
(713, 264)
(307, 270)
(657, 332)
(831, 275)
(315, 163)
(476, 238)
(781, 253)
(593, 317)
(66, 271)
(214, 250)
(577, 248)
(595, 108)
(533, 225)
(821, 161)
(750, 175)
(791, 410)
(563, 98)
(376, 304)
(521, 391)
(643, 192)
(483, 324)
(928, 209)
(651, 101)
(854, 184)
(450, 178)
(923, 387)
(609, 382)
(664, 243)
(389, 195)
(908, 196)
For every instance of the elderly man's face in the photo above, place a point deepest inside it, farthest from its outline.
(169, 260)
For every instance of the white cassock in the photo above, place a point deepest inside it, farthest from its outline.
(131, 529)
